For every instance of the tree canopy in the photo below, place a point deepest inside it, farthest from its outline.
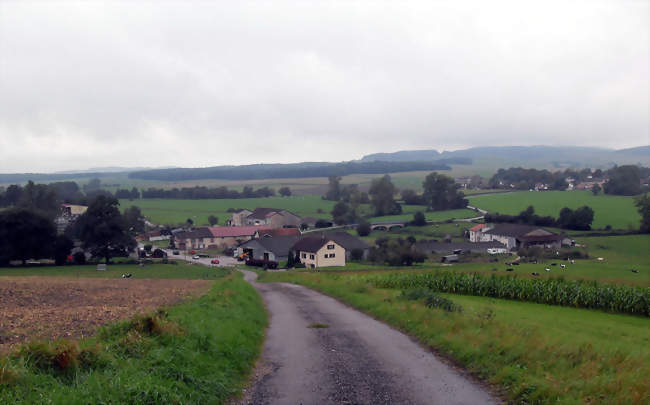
(24, 235)
(441, 193)
(382, 197)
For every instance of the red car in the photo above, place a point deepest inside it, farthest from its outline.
(214, 261)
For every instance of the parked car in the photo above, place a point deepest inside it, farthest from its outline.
(196, 257)
(266, 264)
(176, 252)
(214, 261)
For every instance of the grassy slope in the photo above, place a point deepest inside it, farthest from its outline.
(208, 362)
(617, 211)
(151, 271)
(534, 352)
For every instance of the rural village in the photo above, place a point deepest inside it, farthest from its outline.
(324, 202)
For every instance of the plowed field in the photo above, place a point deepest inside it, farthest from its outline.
(49, 308)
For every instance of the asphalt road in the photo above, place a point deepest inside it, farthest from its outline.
(356, 360)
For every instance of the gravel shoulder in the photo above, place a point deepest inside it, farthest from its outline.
(350, 359)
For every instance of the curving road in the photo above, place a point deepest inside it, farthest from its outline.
(356, 360)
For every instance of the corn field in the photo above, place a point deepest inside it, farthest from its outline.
(570, 293)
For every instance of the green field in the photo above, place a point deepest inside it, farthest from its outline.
(534, 353)
(617, 211)
(172, 212)
(200, 351)
(151, 271)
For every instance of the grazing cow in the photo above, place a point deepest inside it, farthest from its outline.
(634, 271)
(509, 269)
(515, 264)
(547, 269)
(573, 261)
(600, 259)
(128, 275)
(535, 273)
(553, 264)
(563, 266)
(534, 261)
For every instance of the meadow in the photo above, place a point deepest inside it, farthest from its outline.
(200, 351)
(533, 353)
(617, 211)
(173, 212)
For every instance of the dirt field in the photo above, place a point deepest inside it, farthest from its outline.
(49, 308)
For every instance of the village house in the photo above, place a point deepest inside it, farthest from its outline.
(271, 248)
(315, 252)
(275, 232)
(349, 242)
(269, 217)
(515, 236)
(68, 214)
(220, 237)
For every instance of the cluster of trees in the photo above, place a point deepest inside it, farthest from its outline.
(199, 193)
(624, 180)
(348, 197)
(395, 252)
(526, 179)
(578, 219)
(28, 233)
(643, 206)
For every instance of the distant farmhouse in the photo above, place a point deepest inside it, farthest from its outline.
(268, 248)
(270, 217)
(515, 236)
(67, 215)
(316, 251)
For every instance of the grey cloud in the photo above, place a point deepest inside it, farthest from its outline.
(195, 84)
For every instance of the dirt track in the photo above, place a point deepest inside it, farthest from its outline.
(53, 307)
(356, 360)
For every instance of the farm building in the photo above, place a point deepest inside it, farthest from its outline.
(428, 247)
(270, 217)
(275, 248)
(516, 236)
(475, 232)
(347, 241)
(216, 236)
(317, 252)
(273, 233)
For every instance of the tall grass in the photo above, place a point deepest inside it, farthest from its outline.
(578, 294)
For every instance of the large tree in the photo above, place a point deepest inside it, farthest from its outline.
(102, 229)
(624, 180)
(382, 197)
(133, 220)
(441, 193)
(334, 189)
(25, 234)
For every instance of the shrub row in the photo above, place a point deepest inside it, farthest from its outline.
(579, 294)
(431, 300)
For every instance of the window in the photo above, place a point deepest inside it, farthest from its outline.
(311, 257)
(304, 255)
(332, 255)
(330, 247)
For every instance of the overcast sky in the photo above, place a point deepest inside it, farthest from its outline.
(200, 83)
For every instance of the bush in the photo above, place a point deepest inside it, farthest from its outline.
(419, 219)
(431, 300)
(321, 223)
(363, 229)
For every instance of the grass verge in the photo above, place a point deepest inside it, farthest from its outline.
(198, 352)
(535, 353)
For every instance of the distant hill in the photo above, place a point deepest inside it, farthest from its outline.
(528, 156)
(292, 170)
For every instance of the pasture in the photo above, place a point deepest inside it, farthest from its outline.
(534, 353)
(173, 212)
(617, 211)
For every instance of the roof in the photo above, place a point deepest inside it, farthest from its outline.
(347, 241)
(273, 233)
(442, 247)
(477, 227)
(309, 220)
(196, 233)
(310, 244)
(75, 209)
(279, 245)
(525, 233)
(262, 213)
(234, 231)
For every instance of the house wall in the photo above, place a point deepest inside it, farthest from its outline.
(318, 259)
(509, 241)
(238, 218)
